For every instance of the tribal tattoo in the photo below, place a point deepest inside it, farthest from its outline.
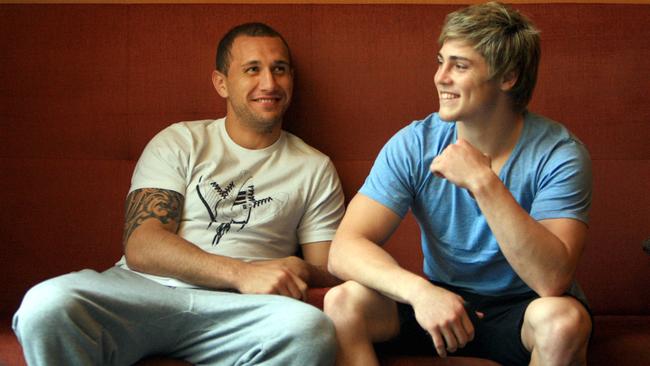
(161, 204)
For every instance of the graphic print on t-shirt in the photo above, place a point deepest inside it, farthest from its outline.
(234, 203)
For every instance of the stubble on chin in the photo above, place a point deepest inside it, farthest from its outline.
(257, 122)
(267, 128)
(264, 125)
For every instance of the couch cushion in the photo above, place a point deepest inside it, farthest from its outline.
(620, 340)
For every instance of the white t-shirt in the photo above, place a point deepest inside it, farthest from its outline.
(241, 203)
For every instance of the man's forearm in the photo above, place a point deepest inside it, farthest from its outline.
(154, 250)
(544, 261)
(356, 255)
(320, 277)
(370, 265)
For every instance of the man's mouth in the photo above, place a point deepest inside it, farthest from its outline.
(267, 99)
(448, 96)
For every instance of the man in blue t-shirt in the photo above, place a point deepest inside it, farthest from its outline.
(501, 196)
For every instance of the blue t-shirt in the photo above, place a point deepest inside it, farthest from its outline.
(548, 173)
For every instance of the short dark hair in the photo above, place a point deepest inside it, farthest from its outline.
(246, 29)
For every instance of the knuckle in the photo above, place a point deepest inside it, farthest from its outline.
(283, 275)
(271, 290)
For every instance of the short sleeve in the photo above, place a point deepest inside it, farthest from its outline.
(325, 207)
(164, 161)
(564, 189)
(390, 181)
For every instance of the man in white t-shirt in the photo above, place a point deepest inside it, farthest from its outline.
(216, 213)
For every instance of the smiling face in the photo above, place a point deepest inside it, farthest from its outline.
(465, 90)
(259, 83)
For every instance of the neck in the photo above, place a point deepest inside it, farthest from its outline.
(252, 138)
(496, 135)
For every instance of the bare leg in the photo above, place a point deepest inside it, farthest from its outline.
(556, 331)
(361, 316)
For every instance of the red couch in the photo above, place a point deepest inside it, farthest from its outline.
(84, 87)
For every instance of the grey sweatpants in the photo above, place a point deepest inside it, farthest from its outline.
(117, 317)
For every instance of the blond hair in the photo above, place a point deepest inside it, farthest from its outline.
(507, 40)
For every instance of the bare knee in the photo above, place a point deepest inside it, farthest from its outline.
(558, 329)
(562, 317)
(344, 302)
(356, 309)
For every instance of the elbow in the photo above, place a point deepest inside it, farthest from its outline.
(138, 250)
(133, 256)
(549, 292)
(554, 288)
(331, 265)
(333, 260)
(334, 270)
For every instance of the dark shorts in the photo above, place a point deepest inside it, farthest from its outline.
(496, 337)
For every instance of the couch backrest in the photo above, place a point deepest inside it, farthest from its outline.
(84, 87)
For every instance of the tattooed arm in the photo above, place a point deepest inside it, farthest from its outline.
(151, 245)
(164, 205)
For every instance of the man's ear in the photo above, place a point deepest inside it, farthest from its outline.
(219, 82)
(508, 81)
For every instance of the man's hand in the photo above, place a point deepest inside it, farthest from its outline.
(285, 276)
(442, 314)
(296, 265)
(460, 163)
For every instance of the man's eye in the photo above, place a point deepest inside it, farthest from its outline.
(252, 70)
(279, 70)
(461, 66)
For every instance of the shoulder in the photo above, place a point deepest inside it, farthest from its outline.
(549, 131)
(187, 131)
(298, 148)
(429, 127)
(421, 138)
(557, 154)
(561, 170)
(550, 138)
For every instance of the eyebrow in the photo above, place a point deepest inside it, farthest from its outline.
(457, 58)
(281, 63)
(274, 63)
(250, 63)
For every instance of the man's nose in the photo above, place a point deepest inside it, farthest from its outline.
(442, 75)
(267, 80)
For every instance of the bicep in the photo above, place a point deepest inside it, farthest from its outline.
(154, 206)
(368, 219)
(316, 253)
(571, 232)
